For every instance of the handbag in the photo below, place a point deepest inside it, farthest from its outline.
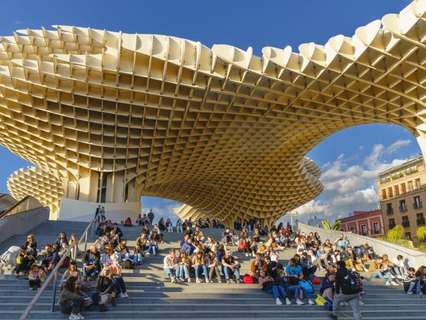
(104, 298)
(320, 300)
(316, 280)
(248, 279)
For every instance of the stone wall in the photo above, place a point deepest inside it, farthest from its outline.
(22, 222)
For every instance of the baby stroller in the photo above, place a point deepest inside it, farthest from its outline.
(8, 258)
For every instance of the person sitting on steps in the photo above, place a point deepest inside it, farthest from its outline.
(231, 267)
(170, 265)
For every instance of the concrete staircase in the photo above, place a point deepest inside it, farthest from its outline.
(153, 298)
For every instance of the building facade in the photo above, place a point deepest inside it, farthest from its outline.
(402, 192)
(366, 223)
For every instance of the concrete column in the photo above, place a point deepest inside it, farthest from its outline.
(88, 186)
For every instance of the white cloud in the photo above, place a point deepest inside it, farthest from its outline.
(397, 145)
(349, 187)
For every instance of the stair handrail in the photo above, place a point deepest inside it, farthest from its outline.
(53, 276)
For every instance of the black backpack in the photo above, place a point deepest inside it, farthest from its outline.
(351, 283)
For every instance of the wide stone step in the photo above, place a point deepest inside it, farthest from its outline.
(303, 312)
(346, 316)
(126, 306)
(185, 299)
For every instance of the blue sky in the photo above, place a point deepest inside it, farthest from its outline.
(242, 24)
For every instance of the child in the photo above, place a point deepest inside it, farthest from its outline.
(36, 277)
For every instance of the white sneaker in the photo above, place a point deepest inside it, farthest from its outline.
(80, 316)
(173, 280)
(278, 301)
(73, 317)
(198, 281)
(311, 302)
(299, 302)
(387, 284)
(361, 303)
(124, 295)
(410, 292)
(189, 280)
(287, 301)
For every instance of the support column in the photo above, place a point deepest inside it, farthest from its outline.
(100, 189)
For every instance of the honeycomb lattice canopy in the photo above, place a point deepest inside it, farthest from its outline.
(219, 129)
(37, 183)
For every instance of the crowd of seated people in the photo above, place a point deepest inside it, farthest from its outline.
(295, 280)
(286, 282)
(99, 281)
(201, 258)
(32, 260)
(205, 259)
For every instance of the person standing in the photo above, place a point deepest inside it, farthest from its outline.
(151, 216)
(348, 287)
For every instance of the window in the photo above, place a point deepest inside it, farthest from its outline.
(405, 222)
(402, 205)
(364, 230)
(410, 186)
(389, 209)
(383, 194)
(390, 192)
(417, 202)
(396, 190)
(408, 235)
(403, 188)
(376, 228)
(420, 219)
(391, 223)
(417, 183)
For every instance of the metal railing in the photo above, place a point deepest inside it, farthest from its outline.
(53, 276)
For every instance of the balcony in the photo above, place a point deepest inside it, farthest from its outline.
(420, 222)
(406, 224)
(402, 209)
(404, 194)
